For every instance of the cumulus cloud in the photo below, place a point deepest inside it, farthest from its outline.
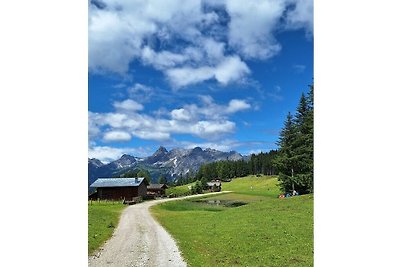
(162, 60)
(190, 41)
(209, 109)
(140, 91)
(107, 154)
(208, 121)
(229, 70)
(147, 134)
(252, 25)
(181, 114)
(227, 145)
(301, 16)
(184, 76)
(237, 105)
(224, 146)
(116, 136)
(128, 104)
(93, 128)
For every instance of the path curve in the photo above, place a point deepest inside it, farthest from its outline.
(139, 240)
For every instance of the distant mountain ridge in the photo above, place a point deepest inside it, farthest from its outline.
(171, 163)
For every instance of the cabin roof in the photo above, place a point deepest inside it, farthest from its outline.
(214, 183)
(117, 182)
(157, 186)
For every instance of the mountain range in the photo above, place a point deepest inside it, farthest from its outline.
(170, 163)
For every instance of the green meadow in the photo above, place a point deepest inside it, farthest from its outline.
(103, 218)
(266, 231)
(181, 190)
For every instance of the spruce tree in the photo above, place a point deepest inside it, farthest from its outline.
(286, 162)
(295, 156)
(162, 179)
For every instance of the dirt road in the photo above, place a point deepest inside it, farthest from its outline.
(139, 240)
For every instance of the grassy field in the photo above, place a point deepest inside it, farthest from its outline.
(267, 231)
(181, 190)
(103, 218)
(253, 185)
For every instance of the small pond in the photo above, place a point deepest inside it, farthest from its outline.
(221, 202)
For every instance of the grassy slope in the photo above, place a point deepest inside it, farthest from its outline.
(179, 190)
(103, 217)
(266, 232)
(253, 185)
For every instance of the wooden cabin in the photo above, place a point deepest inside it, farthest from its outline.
(214, 186)
(120, 188)
(156, 189)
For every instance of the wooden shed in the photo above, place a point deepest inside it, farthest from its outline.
(214, 186)
(120, 188)
(156, 189)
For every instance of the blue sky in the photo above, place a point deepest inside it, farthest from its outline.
(219, 74)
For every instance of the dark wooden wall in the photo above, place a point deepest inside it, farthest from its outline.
(157, 191)
(142, 190)
(118, 193)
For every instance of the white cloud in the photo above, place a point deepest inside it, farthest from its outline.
(107, 154)
(211, 128)
(227, 145)
(184, 76)
(229, 70)
(187, 42)
(151, 134)
(117, 136)
(115, 39)
(301, 16)
(118, 31)
(237, 105)
(221, 146)
(128, 104)
(162, 60)
(252, 25)
(115, 120)
(181, 114)
(93, 128)
(140, 91)
(208, 121)
(209, 109)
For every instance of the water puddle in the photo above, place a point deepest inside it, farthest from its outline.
(224, 203)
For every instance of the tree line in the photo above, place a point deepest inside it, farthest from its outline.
(261, 163)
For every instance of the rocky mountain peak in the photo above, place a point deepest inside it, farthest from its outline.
(160, 151)
(126, 157)
(197, 150)
(95, 162)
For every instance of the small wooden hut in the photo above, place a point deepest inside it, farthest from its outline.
(120, 188)
(156, 189)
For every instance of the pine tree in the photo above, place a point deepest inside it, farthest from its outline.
(162, 179)
(286, 161)
(145, 174)
(295, 156)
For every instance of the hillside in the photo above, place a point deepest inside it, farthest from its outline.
(249, 227)
(171, 163)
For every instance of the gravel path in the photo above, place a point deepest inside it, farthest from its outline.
(140, 241)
